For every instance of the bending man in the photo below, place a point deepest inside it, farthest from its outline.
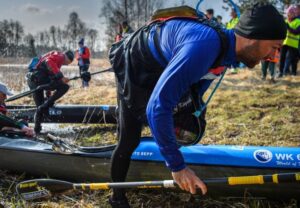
(48, 73)
(161, 62)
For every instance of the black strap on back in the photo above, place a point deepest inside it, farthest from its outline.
(210, 23)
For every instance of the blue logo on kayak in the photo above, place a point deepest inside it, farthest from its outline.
(263, 156)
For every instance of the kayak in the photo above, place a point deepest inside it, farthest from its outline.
(68, 113)
(92, 164)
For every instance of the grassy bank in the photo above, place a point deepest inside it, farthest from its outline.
(244, 111)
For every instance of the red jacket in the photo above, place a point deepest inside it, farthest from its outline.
(3, 109)
(85, 56)
(53, 60)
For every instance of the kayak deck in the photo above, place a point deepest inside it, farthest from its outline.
(68, 113)
(208, 161)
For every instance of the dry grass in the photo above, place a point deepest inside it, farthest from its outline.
(244, 111)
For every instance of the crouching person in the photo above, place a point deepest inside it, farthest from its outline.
(47, 74)
(6, 123)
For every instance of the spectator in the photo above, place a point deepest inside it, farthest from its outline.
(289, 53)
(219, 20)
(126, 29)
(210, 14)
(270, 63)
(229, 26)
(233, 21)
(83, 58)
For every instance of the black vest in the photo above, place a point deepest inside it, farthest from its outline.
(137, 71)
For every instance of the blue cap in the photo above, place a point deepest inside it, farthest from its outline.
(81, 41)
(4, 90)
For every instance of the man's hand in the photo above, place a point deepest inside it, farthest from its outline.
(28, 131)
(65, 79)
(188, 181)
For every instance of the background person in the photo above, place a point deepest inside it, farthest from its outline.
(270, 63)
(7, 123)
(210, 14)
(229, 26)
(48, 72)
(289, 55)
(83, 58)
(126, 29)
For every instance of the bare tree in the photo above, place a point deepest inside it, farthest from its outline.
(53, 35)
(19, 32)
(92, 34)
(281, 4)
(29, 40)
(75, 28)
(136, 12)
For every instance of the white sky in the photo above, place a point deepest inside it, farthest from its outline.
(39, 15)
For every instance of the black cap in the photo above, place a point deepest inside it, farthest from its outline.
(262, 22)
(81, 41)
(70, 55)
(210, 11)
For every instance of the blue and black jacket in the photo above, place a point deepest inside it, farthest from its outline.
(155, 84)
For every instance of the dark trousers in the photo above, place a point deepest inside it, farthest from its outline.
(129, 133)
(83, 69)
(264, 68)
(59, 87)
(288, 57)
(41, 103)
(291, 61)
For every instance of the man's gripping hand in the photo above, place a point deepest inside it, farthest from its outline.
(188, 181)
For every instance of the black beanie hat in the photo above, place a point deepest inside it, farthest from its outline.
(262, 22)
(70, 55)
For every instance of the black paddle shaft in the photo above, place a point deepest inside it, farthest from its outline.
(41, 87)
(94, 73)
(44, 188)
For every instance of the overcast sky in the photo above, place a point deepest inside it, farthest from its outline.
(39, 15)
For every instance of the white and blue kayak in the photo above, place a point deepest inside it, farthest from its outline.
(92, 164)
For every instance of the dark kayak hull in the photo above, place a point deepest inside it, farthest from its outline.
(68, 113)
(39, 160)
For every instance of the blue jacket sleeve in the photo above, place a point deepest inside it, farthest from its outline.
(189, 63)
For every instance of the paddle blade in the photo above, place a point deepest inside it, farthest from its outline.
(42, 188)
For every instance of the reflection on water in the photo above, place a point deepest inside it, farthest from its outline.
(14, 75)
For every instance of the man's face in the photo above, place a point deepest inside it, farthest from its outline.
(257, 50)
(2, 97)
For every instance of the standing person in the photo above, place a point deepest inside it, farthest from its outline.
(83, 58)
(119, 33)
(219, 20)
(233, 21)
(270, 64)
(7, 123)
(126, 29)
(161, 62)
(210, 14)
(289, 53)
(229, 26)
(48, 73)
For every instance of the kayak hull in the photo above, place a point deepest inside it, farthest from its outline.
(38, 159)
(68, 113)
